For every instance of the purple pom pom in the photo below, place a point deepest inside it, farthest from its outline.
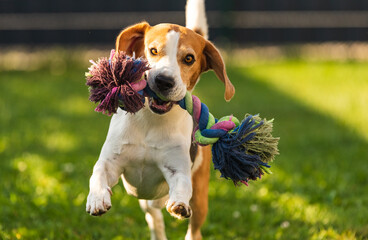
(113, 79)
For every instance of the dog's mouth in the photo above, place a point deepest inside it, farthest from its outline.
(159, 106)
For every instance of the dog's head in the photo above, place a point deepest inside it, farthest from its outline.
(177, 56)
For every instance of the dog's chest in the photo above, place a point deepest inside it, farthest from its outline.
(144, 180)
(144, 144)
(142, 176)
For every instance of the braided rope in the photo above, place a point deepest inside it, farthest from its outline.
(209, 129)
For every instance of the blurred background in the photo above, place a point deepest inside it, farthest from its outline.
(233, 21)
(304, 63)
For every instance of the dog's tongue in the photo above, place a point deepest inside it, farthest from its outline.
(159, 106)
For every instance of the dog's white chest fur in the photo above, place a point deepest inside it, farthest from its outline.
(145, 145)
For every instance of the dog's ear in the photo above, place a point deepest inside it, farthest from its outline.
(214, 61)
(131, 39)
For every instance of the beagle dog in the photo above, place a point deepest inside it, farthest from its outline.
(151, 151)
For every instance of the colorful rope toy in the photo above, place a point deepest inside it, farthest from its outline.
(240, 151)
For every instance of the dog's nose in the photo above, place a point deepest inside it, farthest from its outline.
(164, 82)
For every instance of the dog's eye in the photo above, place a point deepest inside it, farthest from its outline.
(153, 51)
(189, 59)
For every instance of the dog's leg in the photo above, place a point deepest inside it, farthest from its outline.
(176, 170)
(108, 168)
(106, 173)
(154, 218)
(199, 201)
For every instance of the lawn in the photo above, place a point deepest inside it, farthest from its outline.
(50, 138)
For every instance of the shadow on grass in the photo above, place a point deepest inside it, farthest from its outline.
(49, 143)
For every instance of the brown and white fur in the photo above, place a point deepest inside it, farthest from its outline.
(152, 150)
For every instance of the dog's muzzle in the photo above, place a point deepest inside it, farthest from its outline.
(164, 85)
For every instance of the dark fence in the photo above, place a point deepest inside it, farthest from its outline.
(241, 21)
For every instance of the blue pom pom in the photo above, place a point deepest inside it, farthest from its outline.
(232, 157)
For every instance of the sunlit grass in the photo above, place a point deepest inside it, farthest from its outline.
(42, 176)
(339, 90)
(50, 138)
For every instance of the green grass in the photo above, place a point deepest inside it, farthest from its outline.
(50, 139)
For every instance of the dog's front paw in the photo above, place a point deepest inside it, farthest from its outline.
(179, 210)
(99, 202)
